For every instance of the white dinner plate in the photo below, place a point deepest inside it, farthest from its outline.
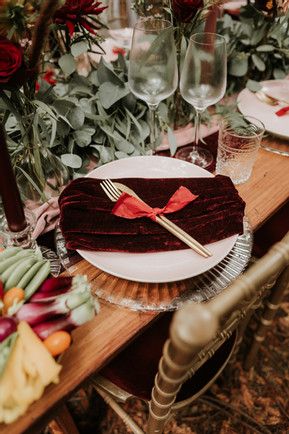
(250, 105)
(160, 266)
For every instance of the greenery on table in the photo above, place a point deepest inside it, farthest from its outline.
(98, 115)
(258, 46)
(79, 117)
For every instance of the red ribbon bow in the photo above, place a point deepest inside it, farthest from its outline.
(131, 208)
(282, 111)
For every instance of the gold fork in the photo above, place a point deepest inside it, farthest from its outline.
(268, 99)
(114, 190)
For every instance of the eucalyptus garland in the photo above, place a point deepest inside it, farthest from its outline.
(258, 46)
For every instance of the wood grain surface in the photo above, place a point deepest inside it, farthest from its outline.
(95, 343)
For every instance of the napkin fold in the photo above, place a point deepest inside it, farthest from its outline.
(87, 221)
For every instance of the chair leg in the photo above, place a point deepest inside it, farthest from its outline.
(272, 305)
(128, 421)
(64, 422)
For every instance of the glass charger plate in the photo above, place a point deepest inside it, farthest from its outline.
(165, 296)
(158, 267)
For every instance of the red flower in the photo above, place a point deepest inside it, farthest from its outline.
(11, 60)
(119, 50)
(79, 13)
(49, 77)
(185, 10)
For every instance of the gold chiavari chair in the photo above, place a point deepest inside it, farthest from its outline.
(201, 341)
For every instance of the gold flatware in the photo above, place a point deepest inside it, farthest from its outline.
(268, 99)
(114, 190)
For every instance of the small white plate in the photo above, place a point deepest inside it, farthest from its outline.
(250, 105)
(160, 266)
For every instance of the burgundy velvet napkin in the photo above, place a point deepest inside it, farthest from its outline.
(87, 223)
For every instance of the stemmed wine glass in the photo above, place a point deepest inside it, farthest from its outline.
(153, 73)
(203, 83)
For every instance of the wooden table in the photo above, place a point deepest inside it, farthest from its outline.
(95, 343)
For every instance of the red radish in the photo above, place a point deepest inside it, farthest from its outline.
(7, 327)
(83, 313)
(55, 284)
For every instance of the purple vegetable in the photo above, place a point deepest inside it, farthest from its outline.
(7, 327)
(45, 297)
(56, 284)
(77, 317)
(36, 313)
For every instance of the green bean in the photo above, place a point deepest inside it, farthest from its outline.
(7, 273)
(10, 251)
(15, 277)
(4, 265)
(36, 281)
(30, 274)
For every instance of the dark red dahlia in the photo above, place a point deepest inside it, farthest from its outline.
(185, 10)
(79, 13)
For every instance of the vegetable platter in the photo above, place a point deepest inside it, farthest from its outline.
(37, 314)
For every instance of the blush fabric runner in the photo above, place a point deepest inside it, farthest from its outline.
(87, 221)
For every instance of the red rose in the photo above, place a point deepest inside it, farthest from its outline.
(185, 10)
(11, 60)
(79, 13)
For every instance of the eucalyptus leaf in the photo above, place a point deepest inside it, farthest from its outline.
(71, 160)
(81, 89)
(130, 102)
(258, 34)
(105, 74)
(98, 137)
(278, 73)
(105, 153)
(87, 106)
(265, 48)
(145, 129)
(93, 78)
(110, 93)
(253, 85)
(238, 65)
(83, 137)
(46, 109)
(62, 129)
(258, 62)
(124, 146)
(79, 47)
(67, 64)
(119, 155)
(76, 118)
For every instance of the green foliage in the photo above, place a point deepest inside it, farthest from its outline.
(258, 47)
(98, 115)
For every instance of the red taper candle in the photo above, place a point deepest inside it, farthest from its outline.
(211, 19)
(9, 192)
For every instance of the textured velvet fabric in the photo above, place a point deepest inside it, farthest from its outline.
(134, 368)
(87, 222)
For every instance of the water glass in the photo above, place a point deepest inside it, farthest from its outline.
(238, 147)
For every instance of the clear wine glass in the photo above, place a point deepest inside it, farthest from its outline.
(153, 73)
(203, 83)
(120, 19)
